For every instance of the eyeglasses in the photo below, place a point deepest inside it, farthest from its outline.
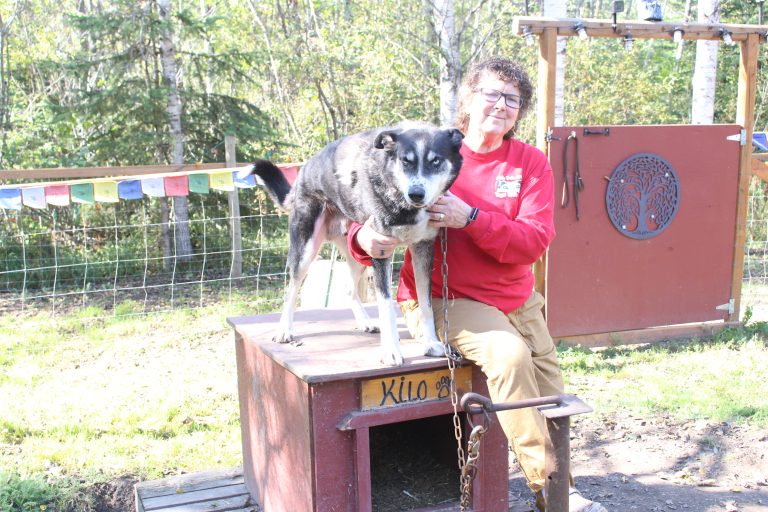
(492, 96)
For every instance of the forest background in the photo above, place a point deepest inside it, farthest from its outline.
(89, 83)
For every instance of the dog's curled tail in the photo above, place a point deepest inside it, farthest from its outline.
(274, 181)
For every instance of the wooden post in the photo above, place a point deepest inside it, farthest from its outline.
(545, 119)
(236, 269)
(745, 116)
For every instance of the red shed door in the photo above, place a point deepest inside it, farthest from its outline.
(630, 261)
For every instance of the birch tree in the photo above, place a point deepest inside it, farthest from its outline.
(170, 80)
(705, 71)
(450, 59)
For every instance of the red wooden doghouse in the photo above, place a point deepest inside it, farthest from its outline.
(310, 413)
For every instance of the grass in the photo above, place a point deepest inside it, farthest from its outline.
(90, 397)
(723, 379)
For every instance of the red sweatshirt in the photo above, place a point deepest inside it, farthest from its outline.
(490, 260)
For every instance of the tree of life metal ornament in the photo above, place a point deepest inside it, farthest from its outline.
(643, 196)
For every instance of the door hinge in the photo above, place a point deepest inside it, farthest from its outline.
(740, 137)
(728, 306)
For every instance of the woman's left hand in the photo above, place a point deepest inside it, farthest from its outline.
(449, 211)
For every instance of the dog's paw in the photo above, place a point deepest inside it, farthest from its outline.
(283, 337)
(392, 359)
(434, 349)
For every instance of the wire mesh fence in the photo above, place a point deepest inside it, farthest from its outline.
(754, 294)
(105, 255)
(107, 259)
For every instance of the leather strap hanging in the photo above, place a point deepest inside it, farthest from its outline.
(578, 183)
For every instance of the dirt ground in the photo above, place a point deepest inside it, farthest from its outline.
(643, 464)
(653, 464)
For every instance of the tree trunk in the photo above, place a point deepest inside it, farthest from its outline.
(705, 71)
(170, 72)
(450, 60)
(557, 9)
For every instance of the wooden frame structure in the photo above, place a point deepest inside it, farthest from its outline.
(748, 37)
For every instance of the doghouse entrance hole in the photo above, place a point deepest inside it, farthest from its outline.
(414, 464)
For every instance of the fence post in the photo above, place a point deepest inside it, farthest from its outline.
(236, 269)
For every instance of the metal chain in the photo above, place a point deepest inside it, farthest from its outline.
(454, 358)
(469, 471)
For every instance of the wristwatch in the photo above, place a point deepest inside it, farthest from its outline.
(472, 216)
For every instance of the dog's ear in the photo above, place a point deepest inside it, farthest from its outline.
(455, 136)
(386, 140)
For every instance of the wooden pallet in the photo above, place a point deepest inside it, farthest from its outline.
(219, 490)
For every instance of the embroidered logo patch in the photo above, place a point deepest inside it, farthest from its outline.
(509, 186)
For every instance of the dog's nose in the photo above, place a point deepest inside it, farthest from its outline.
(416, 194)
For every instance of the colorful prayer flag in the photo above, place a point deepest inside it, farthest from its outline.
(198, 183)
(82, 193)
(105, 192)
(222, 181)
(129, 189)
(291, 172)
(153, 187)
(34, 197)
(10, 198)
(57, 195)
(247, 182)
(176, 186)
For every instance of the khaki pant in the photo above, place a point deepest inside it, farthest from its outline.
(517, 355)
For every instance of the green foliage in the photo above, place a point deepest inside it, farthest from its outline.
(25, 495)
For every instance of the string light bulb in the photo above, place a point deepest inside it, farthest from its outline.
(528, 35)
(581, 31)
(726, 35)
(677, 35)
(629, 42)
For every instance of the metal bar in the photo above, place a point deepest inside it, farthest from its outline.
(474, 403)
(558, 478)
(557, 409)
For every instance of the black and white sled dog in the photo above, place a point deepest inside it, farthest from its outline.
(391, 174)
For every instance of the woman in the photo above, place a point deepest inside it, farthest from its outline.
(500, 215)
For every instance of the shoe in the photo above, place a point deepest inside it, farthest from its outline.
(576, 502)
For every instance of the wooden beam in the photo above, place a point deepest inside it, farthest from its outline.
(650, 335)
(545, 119)
(233, 198)
(102, 172)
(745, 116)
(638, 29)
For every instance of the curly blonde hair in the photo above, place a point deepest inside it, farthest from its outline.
(504, 69)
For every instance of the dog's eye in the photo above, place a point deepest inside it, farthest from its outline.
(407, 159)
(436, 161)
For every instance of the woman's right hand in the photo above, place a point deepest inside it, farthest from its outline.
(374, 243)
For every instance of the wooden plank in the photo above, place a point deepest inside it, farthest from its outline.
(332, 347)
(745, 116)
(410, 388)
(185, 498)
(222, 505)
(545, 120)
(189, 482)
(400, 414)
(103, 172)
(233, 198)
(363, 469)
(639, 29)
(652, 334)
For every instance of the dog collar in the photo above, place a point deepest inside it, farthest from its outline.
(472, 216)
